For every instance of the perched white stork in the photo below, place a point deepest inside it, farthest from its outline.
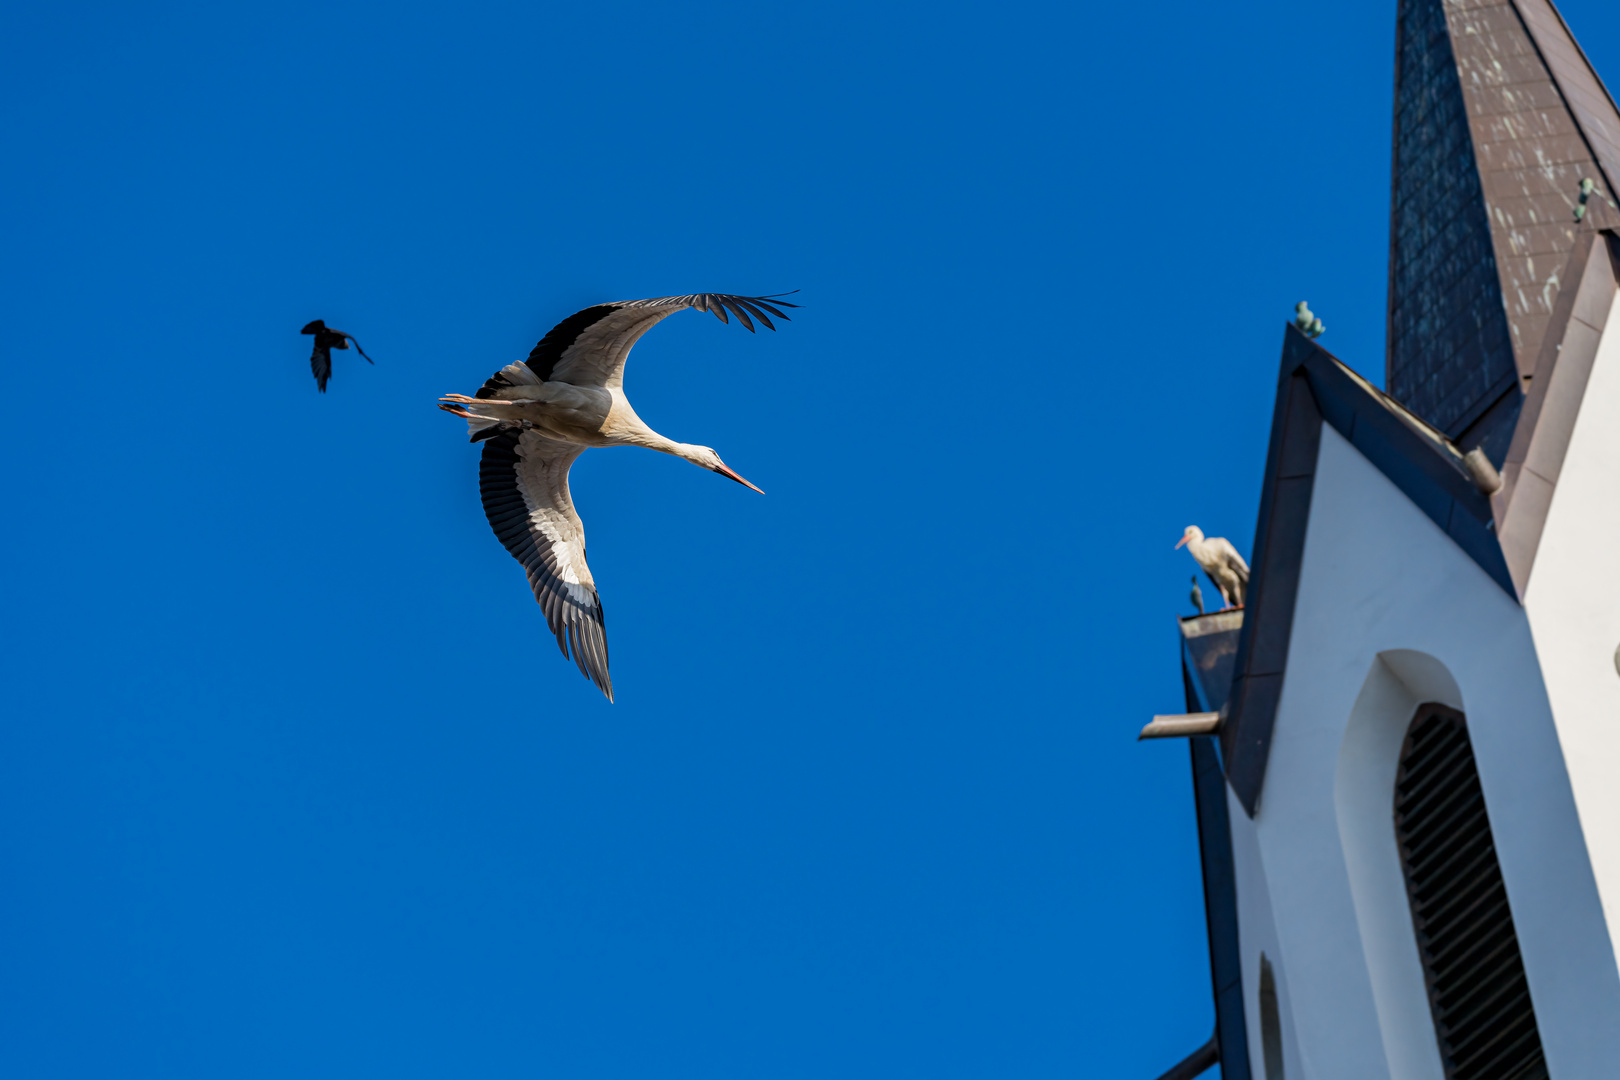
(1221, 562)
(536, 417)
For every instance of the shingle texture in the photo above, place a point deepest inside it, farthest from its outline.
(1449, 342)
(1498, 119)
(1588, 100)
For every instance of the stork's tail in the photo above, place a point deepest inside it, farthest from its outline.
(480, 425)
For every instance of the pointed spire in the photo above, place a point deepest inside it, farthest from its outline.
(1498, 120)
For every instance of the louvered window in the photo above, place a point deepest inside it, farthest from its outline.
(1477, 990)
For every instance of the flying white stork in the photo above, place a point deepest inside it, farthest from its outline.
(536, 417)
(1221, 562)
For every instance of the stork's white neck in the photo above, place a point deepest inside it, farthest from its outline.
(642, 435)
(627, 429)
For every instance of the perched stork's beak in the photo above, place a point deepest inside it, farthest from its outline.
(724, 471)
(1183, 540)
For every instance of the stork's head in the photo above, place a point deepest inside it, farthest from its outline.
(708, 459)
(1193, 533)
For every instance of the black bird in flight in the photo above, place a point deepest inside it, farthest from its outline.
(327, 339)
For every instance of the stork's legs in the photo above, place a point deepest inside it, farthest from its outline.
(455, 410)
(504, 425)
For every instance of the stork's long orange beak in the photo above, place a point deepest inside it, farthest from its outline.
(725, 471)
(1183, 540)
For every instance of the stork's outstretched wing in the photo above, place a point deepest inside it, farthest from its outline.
(589, 347)
(524, 480)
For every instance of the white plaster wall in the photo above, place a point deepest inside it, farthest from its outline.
(1257, 934)
(1573, 600)
(1377, 576)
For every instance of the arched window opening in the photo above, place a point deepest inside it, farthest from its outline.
(1270, 1022)
(1478, 994)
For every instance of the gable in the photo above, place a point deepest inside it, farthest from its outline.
(1315, 389)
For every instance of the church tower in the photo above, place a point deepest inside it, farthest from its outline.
(1406, 747)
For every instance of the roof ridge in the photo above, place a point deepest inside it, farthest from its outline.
(1584, 58)
(1412, 419)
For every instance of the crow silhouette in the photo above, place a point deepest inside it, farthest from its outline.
(327, 339)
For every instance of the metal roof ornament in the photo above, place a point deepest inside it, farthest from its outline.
(1308, 324)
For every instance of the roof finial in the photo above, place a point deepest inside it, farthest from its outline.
(1586, 193)
(1308, 324)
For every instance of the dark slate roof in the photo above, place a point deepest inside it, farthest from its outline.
(1450, 349)
(1498, 118)
(1314, 388)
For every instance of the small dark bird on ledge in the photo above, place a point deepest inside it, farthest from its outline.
(1197, 595)
(327, 339)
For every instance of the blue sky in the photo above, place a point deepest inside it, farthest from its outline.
(292, 778)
